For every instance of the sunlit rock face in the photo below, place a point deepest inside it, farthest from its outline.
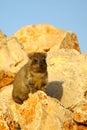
(43, 37)
(64, 104)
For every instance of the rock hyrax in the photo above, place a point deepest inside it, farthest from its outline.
(31, 77)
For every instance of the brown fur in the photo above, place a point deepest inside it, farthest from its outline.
(31, 77)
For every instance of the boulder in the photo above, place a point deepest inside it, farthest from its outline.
(80, 114)
(12, 58)
(67, 72)
(64, 105)
(6, 78)
(39, 111)
(43, 37)
(12, 55)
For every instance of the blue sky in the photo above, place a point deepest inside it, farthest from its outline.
(69, 15)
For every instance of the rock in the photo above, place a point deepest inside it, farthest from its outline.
(39, 111)
(74, 126)
(80, 114)
(12, 55)
(67, 72)
(12, 58)
(43, 37)
(64, 105)
(6, 121)
(6, 78)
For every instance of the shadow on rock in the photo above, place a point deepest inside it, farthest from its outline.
(55, 89)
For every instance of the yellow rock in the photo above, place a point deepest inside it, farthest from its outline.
(43, 37)
(67, 80)
(39, 111)
(12, 55)
(80, 114)
(67, 72)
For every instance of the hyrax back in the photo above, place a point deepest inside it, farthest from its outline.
(31, 77)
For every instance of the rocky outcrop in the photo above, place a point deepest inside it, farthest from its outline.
(43, 37)
(12, 57)
(38, 112)
(80, 114)
(68, 72)
(6, 78)
(64, 105)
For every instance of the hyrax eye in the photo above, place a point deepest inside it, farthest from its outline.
(44, 60)
(35, 60)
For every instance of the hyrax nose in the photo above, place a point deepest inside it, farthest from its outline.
(41, 64)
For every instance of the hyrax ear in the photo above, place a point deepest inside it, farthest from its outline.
(30, 55)
(45, 55)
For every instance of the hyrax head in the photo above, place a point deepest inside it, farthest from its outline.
(38, 62)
